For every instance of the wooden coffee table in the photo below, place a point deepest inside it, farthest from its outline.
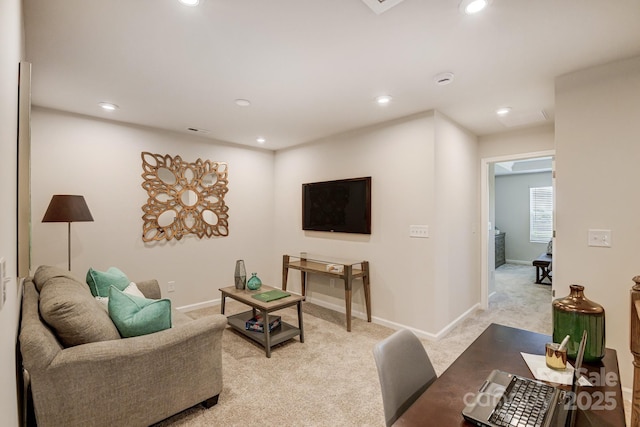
(267, 339)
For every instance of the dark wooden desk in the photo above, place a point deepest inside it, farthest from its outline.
(499, 347)
(543, 268)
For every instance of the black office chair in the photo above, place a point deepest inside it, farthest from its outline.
(405, 372)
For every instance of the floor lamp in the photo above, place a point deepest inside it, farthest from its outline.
(66, 208)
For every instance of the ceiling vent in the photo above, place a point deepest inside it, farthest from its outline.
(443, 79)
(379, 6)
(515, 118)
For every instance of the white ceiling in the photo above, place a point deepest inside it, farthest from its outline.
(312, 69)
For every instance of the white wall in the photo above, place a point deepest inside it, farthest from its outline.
(517, 142)
(456, 232)
(597, 156)
(400, 156)
(101, 160)
(416, 164)
(512, 214)
(12, 51)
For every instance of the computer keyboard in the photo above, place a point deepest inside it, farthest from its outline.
(524, 404)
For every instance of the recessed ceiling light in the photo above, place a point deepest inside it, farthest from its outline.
(383, 99)
(260, 140)
(189, 2)
(470, 7)
(108, 106)
(242, 102)
(443, 78)
(503, 111)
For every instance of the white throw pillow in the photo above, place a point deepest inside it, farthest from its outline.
(131, 289)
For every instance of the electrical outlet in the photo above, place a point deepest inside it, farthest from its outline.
(419, 231)
(171, 286)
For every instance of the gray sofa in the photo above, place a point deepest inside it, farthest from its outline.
(81, 374)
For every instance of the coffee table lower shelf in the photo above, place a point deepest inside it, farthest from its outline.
(279, 335)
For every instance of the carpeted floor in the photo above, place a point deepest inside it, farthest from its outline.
(331, 379)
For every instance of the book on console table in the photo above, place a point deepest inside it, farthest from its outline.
(256, 323)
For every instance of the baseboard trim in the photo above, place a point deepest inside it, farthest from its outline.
(519, 262)
(358, 314)
(204, 304)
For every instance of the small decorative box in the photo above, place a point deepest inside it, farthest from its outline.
(335, 268)
(256, 323)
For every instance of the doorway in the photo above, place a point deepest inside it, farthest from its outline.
(519, 163)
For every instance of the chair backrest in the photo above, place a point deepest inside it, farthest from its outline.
(405, 372)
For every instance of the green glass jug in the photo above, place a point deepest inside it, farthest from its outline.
(574, 314)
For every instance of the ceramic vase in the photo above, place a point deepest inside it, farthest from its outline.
(240, 275)
(574, 314)
(254, 282)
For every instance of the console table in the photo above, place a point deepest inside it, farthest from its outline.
(344, 270)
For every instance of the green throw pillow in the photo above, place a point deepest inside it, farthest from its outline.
(134, 316)
(100, 281)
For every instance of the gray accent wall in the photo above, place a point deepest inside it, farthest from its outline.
(512, 214)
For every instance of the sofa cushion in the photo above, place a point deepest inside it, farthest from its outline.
(134, 316)
(68, 307)
(100, 281)
(46, 272)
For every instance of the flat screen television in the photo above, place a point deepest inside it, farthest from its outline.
(342, 206)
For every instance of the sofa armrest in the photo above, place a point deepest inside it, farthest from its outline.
(150, 288)
(36, 339)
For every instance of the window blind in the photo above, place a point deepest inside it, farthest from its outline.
(540, 214)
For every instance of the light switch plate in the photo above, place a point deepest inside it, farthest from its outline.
(601, 238)
(419, 231)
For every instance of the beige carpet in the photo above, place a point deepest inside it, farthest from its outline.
(331, 379)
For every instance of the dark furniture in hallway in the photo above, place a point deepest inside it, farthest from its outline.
(543, 268)
(500, 250)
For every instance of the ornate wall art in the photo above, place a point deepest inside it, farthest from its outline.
(184, 198)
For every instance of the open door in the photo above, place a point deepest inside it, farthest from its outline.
(487, 217)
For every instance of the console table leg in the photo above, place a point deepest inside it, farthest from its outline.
(300, 325)
(285, 271)
(347, 297)
(348, 282)
(367, 289)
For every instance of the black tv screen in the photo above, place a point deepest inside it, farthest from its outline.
(342, 206)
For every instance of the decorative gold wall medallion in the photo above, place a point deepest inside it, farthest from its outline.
(184, 198)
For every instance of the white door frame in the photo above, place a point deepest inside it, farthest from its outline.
(486, 228)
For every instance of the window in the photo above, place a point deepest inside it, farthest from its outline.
(540, 214)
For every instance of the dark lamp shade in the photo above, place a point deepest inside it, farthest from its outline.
(66, 208)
